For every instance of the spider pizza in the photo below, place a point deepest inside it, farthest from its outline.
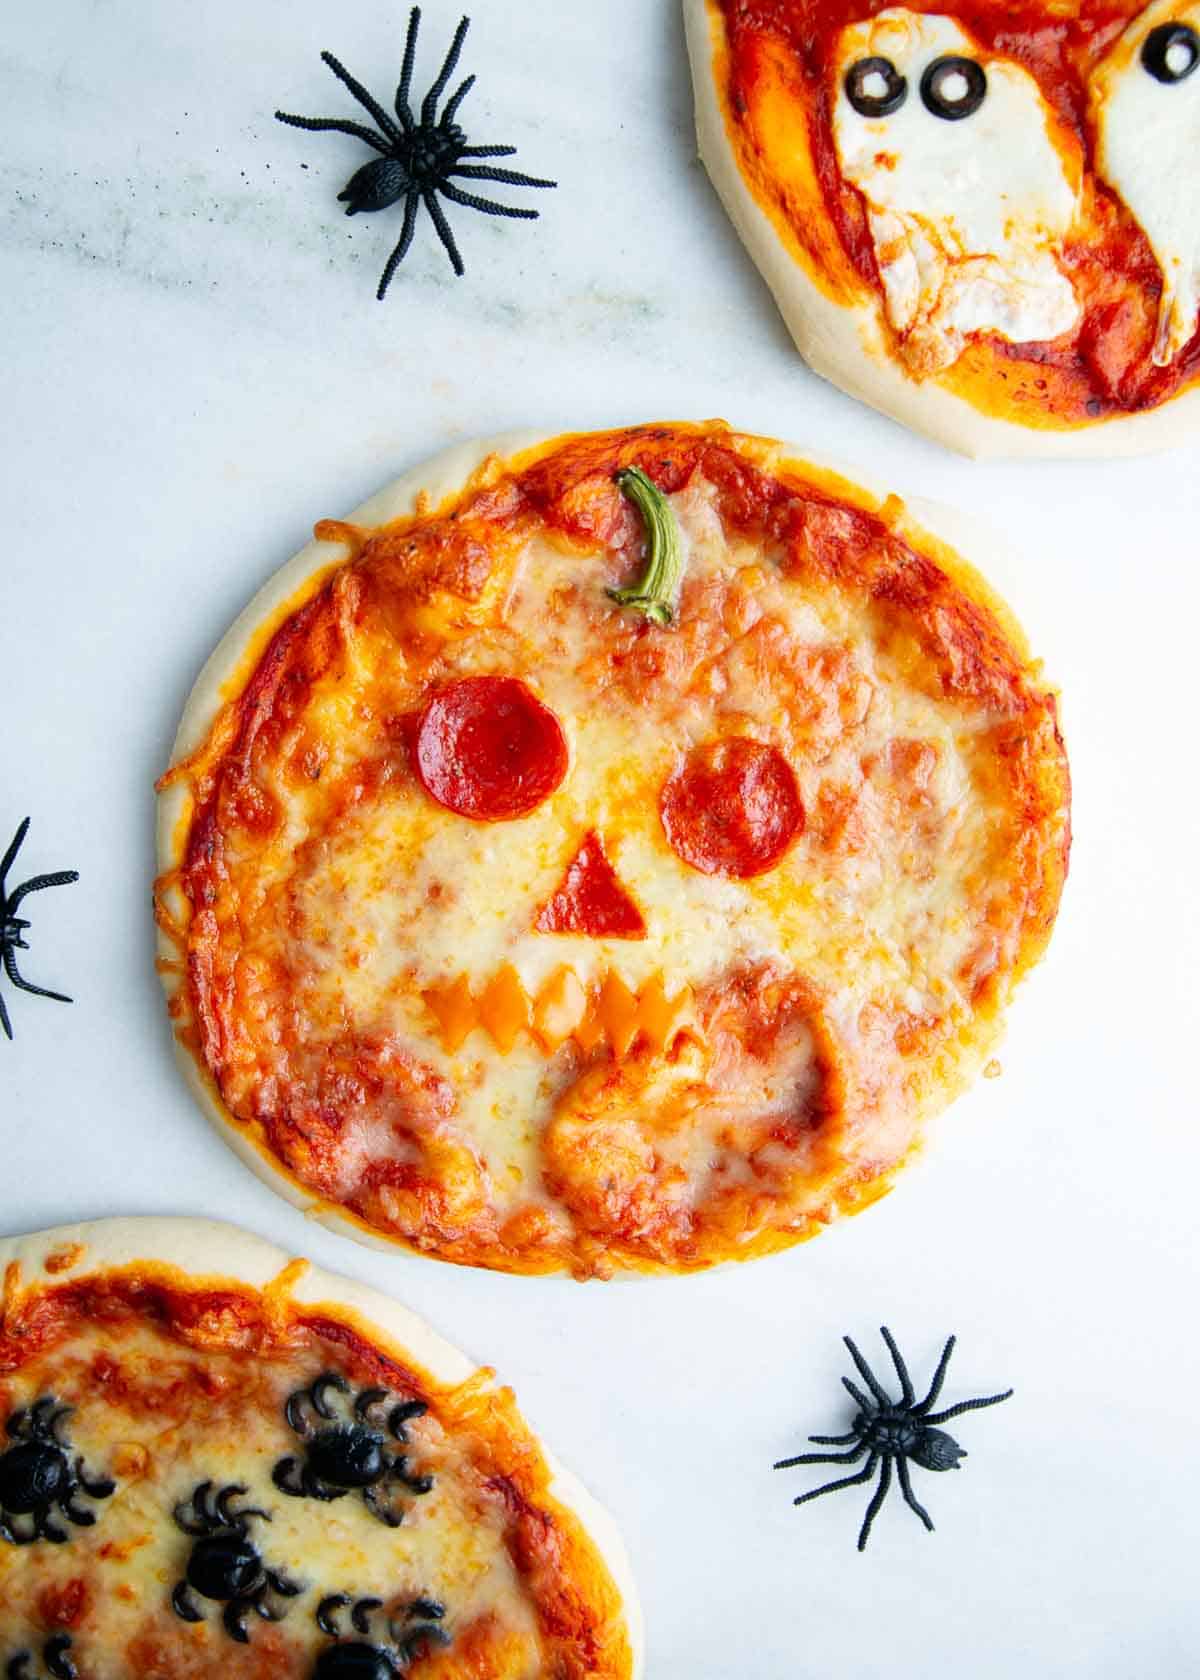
(603, 851)
(219, 1461)
(973, 217)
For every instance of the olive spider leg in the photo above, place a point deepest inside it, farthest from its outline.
(322, 125)
(487, 205)
(506, 177)
(365, 99)
(877, 1499)
(968, 1406)
(910, 1499)
(400, 251)
(360, 1616)
(437, 217)
(939, 1377)
(864, 1475)
(867, 1375)
(851, 1457)
(907, 1396)
(429, 106)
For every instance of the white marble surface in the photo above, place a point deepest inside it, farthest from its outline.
(194, 370)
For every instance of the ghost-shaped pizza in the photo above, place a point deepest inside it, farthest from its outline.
(601, 852)
(218, 1461)
(980, 221)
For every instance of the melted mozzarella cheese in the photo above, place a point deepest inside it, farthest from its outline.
(967, 216)
(1147, 144)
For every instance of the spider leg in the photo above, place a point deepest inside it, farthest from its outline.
(285, 1478)
(315, 1488)
(323, 125)
(425, 1609)
(366, 100)
(18, 1424)
(16, 1536)
(14, 974)
(18, 1667)
(327, 1379)
(834, 1440)
(4, 1020)
(367, 1399)
(194, 1515)
(384, 1514)
(54, 1656)
(438, 218)
(487, 205)
(46, 1529)
(38, 1416)
(360, 1616)
(10, 856)
(455, 100)
(280, 1584)
(96, 1487)
(412, 1644)
(327, 1613)
(857, 1394)
(58, 1423)
(62, 878)
(184, 1605)
(823, 1458)
(507, 177)
(877, 1499)
(234, 1617)
(939, 1377)
(968, 1406)
(403, 108)
(405, 1413)
(864, 1475)
(297, 1419)
(429, 103)
(907, 1396)
(867, 1375)
(488, 151)
(910, 1499)
(75, 1513)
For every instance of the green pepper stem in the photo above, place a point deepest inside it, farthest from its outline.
(654, 593)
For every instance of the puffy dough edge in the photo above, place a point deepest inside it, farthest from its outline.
(925, 523)
(208, 1250)
(845, 344)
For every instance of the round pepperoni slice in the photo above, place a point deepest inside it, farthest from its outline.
(732, 808)
(488, 749)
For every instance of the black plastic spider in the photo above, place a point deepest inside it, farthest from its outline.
(890, 1431)
(12, 927)
(342, 1456)
(55, 1661)
(409, 1631)
(37, 1474)
(419, 155)
(225, 1565)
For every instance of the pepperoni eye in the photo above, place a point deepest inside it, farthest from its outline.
(953, 88)
(488, 749)
(875, 87)
(732, 808)
(1171, 52)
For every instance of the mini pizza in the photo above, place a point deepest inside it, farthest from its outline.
(602, 851)
(979, 220)
(215, 1460)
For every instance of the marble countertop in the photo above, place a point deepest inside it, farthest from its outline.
(195, 371)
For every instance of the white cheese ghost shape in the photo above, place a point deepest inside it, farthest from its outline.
(967, 199)
(1145, 107)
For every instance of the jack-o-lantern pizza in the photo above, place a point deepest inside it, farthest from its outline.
(978, 218)
(602, 852)
(215, 1460)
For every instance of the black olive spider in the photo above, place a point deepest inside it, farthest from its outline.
(344, 1456)
(891, 1431)
(408, 1633)
(55, 1661)
(37, 1474)
(421, 154)
(225, 1565)
(12, 927)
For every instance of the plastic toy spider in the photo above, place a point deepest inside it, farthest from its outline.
(12, 927)
(420, 155)
(409, 1632)
(891, 1432)
(347, 1456)
(37, 1474)
(225, 1565)
(55, 1661)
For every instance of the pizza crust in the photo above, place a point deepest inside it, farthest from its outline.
(846, 343)
(210, 1252)
(929, 526)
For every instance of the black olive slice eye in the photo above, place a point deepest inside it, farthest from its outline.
(1171, 52)
(875, 87)
(953, 88)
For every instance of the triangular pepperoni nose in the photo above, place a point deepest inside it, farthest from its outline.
(590, 899)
